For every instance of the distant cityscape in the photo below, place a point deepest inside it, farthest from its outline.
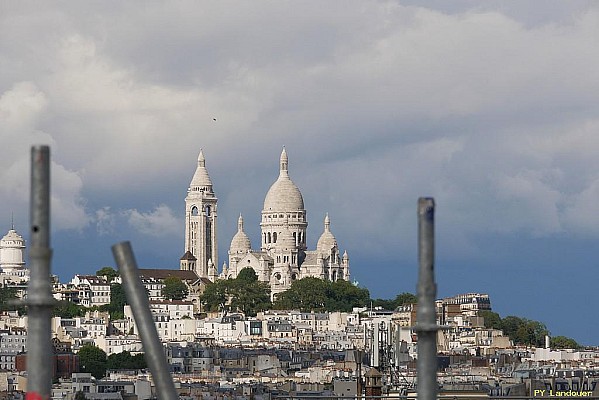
(225, 353)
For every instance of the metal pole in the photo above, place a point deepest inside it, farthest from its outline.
(140, 305)
(39, 290)
(426, 325)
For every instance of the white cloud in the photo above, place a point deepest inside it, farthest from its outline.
(105, 221)
(21, 106)
(160, 222)
(581, 213)
(21, 109)
(482, 109)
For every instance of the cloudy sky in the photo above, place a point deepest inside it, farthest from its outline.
(490, 107)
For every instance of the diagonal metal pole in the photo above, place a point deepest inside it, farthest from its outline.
(426, 321)
(140, 305)
(39, 290)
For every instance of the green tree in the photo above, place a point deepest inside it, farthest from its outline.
(244, 293)
(492, 319)
(174, 289)
(519, 330)
(405, 298)
(344, 296)
(531, 332)
(9, 301)
(249, 296)
(510, 325)
(563, 342)
(109, 272)
(216, 295)
(117, 302)
(307, 294)
(125, 360)
(68, 309)
(385, 304)
(247, 275)
(92, 359)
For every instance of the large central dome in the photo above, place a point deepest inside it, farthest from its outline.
(283, 195)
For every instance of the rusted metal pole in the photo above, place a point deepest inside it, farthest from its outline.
(39, 289)
(140, 305)
(426, 325)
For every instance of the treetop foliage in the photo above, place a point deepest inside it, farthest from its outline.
(127, 361)
(563, 342)
(67, 309)
(524, 331)
(117, 302)
(244, 293)
(400, 300)
(174, 288)
(314, 294)
(92, 359)
(8, 297)
(109, 272)
(248, 295)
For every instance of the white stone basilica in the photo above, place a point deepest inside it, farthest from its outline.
(283, 256)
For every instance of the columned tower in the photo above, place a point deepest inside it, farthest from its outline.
(200, 220)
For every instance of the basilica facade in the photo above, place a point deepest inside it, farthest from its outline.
(283, 255)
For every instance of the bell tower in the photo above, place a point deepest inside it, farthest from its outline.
(200, 220)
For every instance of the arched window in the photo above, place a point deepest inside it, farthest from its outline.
(194, 210)
(207, 211)
(274, 237)
(269, 237)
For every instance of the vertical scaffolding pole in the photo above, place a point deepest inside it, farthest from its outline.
(39, 290)
(426, 325)
(140, 305)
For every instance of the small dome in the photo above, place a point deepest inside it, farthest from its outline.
(201, 179)
(327, 241)
(241, 241)
(283, 195)
(13, 239)
(12, 251)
